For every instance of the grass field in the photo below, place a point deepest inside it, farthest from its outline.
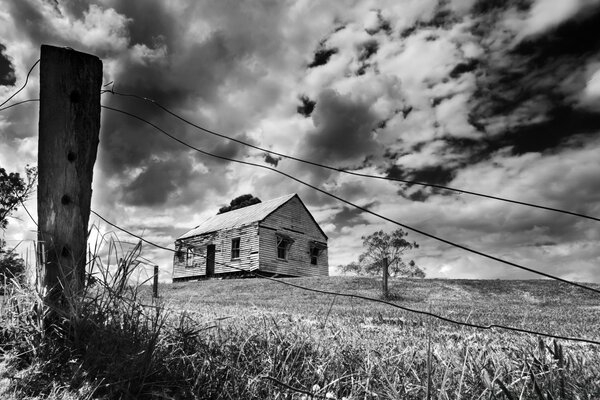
(258, 339)
(361, 349)
(540, 305)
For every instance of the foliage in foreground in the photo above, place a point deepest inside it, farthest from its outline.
(111, 341)
(12, 267)
(14, 190)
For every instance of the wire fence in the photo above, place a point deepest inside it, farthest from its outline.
(342, 200)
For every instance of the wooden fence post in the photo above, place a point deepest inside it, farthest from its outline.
(385, 276)
(155, 288)
(69, 126)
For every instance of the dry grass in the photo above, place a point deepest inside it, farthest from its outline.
(254, 339)
(359, 349)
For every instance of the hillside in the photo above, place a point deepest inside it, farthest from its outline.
(289, 342)
(540, 305)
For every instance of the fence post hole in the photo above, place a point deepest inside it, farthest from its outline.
(385, 276)
(69, 126)
(155, 286)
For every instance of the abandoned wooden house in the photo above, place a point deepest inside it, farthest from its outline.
(276, 237)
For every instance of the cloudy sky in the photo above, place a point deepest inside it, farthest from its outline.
(500, 97)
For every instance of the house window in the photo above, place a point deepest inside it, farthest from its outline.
(180, 254)
(235, 248)
(314, 255)
(284, 242)
(281, 248)
(189, 257)
(315, 250)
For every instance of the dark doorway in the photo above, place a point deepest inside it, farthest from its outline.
(210, 260)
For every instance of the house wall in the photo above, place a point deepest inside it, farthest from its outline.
(196, 267)
(293, 220)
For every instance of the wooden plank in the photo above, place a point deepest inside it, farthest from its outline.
(69, 126)
(248, 260)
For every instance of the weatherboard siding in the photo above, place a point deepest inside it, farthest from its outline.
(257, 227)
(248, 260)
(293, 220)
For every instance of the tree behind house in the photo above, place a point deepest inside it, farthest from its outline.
(380, 245)
(242, 201)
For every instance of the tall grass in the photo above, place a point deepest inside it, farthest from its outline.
(104, 338)
(113, 341)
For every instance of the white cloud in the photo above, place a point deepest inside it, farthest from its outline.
(590, 97)
(546, 14)
(240, 71)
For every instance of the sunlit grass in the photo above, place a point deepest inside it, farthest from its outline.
(359, 348)
(257, 339)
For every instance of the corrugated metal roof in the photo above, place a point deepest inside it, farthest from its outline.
(239, 217)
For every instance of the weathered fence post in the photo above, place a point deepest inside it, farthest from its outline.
(155, 285)
(69, 126)
(384, 265)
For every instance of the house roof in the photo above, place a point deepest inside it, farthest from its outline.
(239, 217)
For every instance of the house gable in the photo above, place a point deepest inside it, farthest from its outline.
(290, 240)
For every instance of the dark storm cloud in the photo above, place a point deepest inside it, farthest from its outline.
(488, 7)
(37, 25)
(563, 122)
(151, 20)
(367, 50)
(463, 67)
(195, 72)
(7, 72)
(158, 181)
(269, 159)
(350, 216)
(75, 8)
(322, 56)
(527, 95)
(435, 175)
(184, 73)
(343, 130)
(126, 142)
(228, 149)
(307, 106)
(383, 25)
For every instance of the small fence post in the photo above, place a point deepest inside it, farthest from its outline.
(385, 276)
(155, 285)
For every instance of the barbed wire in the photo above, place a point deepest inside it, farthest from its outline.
(356, 296)
(345, 171)
(272, 152)
(491, 326)
(18, 104)
(482, 254)
(429, 235)
(24, 84)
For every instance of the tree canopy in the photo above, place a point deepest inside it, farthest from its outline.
(14, 190)
(242, 201)
(380, 245)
